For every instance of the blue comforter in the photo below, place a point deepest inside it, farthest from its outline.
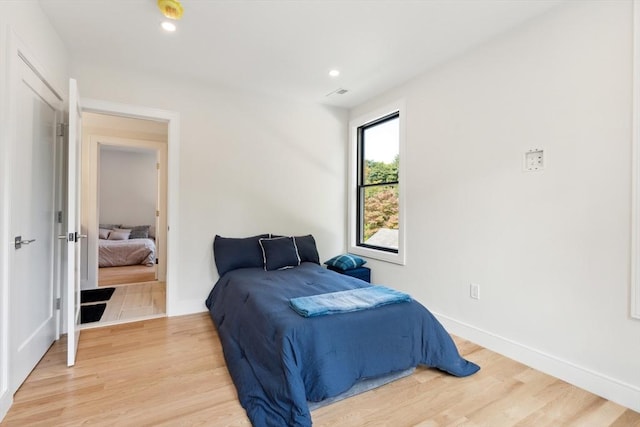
(278, 359)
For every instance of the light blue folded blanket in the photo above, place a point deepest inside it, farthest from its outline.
(347, 301)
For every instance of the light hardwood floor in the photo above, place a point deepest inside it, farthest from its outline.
(137, 296)
(108, 276)
(133, 302)
(171, 372)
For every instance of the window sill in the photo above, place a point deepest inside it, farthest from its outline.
(392, 257)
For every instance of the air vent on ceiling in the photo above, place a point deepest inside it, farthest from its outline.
(339, 91)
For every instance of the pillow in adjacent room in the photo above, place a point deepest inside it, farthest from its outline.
(279, 253)
(109, 226)
(119, 234)
(232, 253)
(138, 231)
(346, 262)
(307, 250)
(103, 233)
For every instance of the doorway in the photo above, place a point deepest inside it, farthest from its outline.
(125, 212)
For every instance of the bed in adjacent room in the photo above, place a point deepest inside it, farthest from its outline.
(125, 246)
(282, 362)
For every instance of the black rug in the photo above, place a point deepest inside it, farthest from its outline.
(92, 313)
(95, 295)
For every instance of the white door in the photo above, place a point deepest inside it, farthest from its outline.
(74, 237)
(31, 288)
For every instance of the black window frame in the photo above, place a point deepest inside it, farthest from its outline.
(361, 186)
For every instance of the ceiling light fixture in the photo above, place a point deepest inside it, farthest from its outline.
(172, 9)
(334, 73)
(168, 26)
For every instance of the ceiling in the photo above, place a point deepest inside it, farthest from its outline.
(287, 47)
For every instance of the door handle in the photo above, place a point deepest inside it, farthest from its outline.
(72, 237)
(18, 242)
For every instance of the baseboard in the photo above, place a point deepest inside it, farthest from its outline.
(6, 400)
(183, 307)
(602, 385)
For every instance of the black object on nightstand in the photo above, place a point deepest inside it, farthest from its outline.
(362, 273)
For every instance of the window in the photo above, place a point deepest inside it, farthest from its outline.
(376, 196)
(378, 203)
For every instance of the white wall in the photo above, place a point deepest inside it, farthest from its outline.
(248, 165)
(128, 187)
(21, 21)
(551, 249)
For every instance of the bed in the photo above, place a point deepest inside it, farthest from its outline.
(280, 361)
(126, 246)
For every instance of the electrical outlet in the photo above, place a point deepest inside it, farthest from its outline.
(534, 160)
(474, 291)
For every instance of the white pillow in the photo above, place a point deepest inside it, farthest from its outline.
(103, 233)
(119, 234)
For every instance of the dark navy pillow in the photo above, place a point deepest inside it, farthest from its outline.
(232, 253)
(279, 253)
(307, 249)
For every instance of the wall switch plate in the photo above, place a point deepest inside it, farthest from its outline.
(474, 291)
(534, 160)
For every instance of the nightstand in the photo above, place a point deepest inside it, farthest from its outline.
(362, 273)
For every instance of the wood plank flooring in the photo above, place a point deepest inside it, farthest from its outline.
(135, 301)
(137, 296)
(171, 372)
(108, 276)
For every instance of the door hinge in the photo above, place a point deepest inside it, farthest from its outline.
(57, 303)
(158, 166)
(61, 129)
(157, 213)
(59, 217)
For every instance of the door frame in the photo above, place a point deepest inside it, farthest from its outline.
(95, 141)
(73, 219)
(172, 119)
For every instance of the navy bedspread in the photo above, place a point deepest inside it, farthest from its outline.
(278, 360)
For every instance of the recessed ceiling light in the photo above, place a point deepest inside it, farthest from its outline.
(168, 26)
(334, 73)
